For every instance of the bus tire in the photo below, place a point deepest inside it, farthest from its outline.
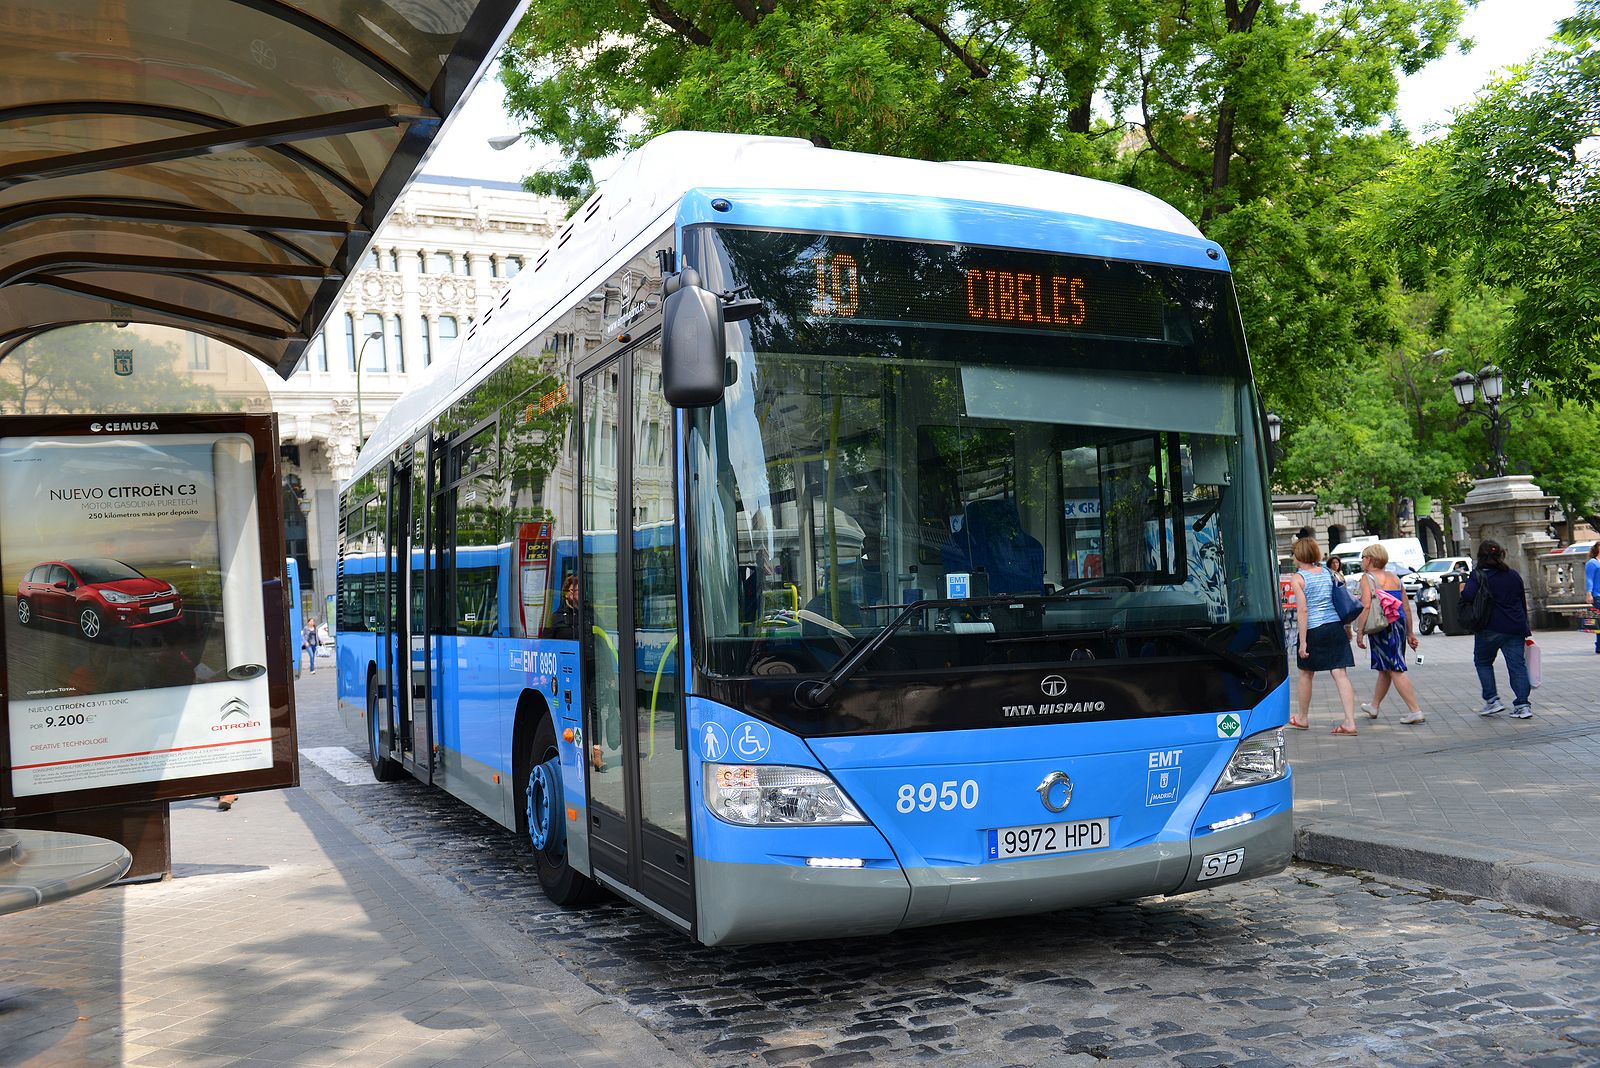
(383, 769)
(546, 812)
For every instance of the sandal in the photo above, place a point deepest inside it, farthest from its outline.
(1340, 729)
(1297, 725)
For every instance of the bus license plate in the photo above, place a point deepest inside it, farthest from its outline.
(1039, 839)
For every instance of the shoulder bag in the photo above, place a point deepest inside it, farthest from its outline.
(1345, 605)
(1375, 622)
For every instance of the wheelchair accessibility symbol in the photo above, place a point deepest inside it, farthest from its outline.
(752, 741)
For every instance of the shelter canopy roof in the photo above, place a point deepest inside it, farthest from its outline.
(215, 165)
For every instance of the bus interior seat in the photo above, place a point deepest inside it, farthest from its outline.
(991, 539)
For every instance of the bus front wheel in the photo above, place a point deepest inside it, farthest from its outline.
(546, 810)
(383, 769)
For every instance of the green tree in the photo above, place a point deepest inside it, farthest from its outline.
(1255, 118)
(1364, 454)
(1511, 198)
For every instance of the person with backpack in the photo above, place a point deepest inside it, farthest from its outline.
(1386, 626)
(1494, 607)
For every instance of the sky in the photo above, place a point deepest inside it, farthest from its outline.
(1505, 31)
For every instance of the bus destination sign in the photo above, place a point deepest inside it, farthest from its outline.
(874, 281)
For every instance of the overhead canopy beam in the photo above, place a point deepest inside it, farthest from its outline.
(161, 307)
(74, 262)
(170, 215)
(309, 128)
(295, 157)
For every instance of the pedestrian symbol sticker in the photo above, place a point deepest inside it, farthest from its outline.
(752, 741)
(1228, 725)
(714, 742)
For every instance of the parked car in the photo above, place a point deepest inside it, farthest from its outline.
(96, 595)
(1431, 572)
(1578, 547)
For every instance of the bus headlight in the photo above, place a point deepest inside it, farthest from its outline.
(1260, 758)
(769, 795)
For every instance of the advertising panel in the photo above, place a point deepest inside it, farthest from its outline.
(145, 653)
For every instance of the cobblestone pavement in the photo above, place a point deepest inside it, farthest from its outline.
(1529, 784)
(1313, 966)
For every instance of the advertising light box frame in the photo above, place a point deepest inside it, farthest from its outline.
(168, 530)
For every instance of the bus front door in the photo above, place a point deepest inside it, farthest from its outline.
(409, 707)
(638, 831)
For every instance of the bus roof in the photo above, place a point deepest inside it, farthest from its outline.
(653, 179)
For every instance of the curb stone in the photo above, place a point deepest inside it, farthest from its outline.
(1571, 888)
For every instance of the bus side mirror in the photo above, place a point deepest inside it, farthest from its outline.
(693, 347)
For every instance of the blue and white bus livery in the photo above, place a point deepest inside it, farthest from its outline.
(922, 543)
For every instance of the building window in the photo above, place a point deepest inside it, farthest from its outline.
(394, 260)
(427, 342)
(494, 266)
(448, 329)
(422, 263)
(466, 263)
(513, 266)
(199, 354)
(318, 350)
(441, 263)
(397, 340)
(350, 339)
(372, 323)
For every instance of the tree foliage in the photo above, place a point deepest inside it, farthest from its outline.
(1511, 197)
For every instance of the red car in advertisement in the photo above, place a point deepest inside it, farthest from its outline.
(96, 596)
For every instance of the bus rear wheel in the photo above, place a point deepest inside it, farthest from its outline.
(546, 810)
(383, 769)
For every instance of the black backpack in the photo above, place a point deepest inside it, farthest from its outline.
(1475, 613)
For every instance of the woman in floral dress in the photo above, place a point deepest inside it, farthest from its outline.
(1388, 647)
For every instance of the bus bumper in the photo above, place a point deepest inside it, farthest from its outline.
(747, 903)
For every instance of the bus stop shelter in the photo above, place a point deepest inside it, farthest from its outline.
(216, 166)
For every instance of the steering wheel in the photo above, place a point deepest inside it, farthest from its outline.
(1103, 580)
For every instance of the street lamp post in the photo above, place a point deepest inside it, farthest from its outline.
(1274, 432)
(1496, 415)
(361, 422)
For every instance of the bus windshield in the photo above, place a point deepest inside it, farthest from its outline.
(1062, 452)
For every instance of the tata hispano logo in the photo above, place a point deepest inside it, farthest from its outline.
(1053, 685)
(122, 428)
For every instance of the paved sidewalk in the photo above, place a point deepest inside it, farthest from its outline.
(1503, 808)
(288, 939)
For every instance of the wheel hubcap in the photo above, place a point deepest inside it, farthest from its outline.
(23, 611)
(90, 623)
(545, 828)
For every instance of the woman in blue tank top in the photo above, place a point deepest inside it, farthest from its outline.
(1324, 645)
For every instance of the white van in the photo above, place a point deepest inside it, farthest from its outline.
(1407, 551)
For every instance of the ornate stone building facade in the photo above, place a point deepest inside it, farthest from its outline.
(449, 249)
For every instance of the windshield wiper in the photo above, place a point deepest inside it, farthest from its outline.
(1252, 671)
(818, 692)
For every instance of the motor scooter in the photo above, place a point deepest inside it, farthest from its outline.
(1428, 609)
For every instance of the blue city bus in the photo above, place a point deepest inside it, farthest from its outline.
(950, 591)
(291, 570)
